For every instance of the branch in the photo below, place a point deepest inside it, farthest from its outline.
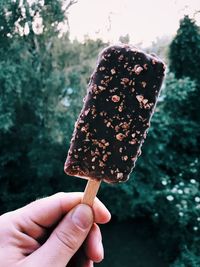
(71, 2)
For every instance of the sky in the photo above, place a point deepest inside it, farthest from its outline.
(143, 20)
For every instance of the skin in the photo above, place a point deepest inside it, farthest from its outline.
(55, 231)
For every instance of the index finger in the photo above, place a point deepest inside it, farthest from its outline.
(48, 211)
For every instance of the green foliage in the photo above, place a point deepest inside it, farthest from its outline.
(184, 51)
(160, 47)
(43, 80)
(165, 183)
(42, 83)
(187, 259)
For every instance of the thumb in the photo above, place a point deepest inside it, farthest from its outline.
(66, 238)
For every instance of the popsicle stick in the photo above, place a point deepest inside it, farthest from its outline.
(90, 192)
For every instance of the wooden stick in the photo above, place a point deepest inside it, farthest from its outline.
(90, 192)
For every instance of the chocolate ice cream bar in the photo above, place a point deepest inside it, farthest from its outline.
(114, 120)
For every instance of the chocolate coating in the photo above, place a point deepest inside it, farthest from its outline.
(114, 120)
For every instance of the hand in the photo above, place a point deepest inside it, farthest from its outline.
(56, 231)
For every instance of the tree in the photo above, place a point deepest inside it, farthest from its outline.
(43, 79)
(124, 39)
(184, 51)
(31, 81)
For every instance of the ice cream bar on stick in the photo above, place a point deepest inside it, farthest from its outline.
(115, 117)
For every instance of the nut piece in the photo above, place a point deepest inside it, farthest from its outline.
(143, 84)
(138, 69)
(132, 142)
(124, 80)
(87, 111)
(83, 129)
(113, 71)
(101, 164)
(140, 98)
(93, 159)
(145, 66)
(115, 98)
(120, 108)
(120, 175)
(105, 157)
(125, 158)
(101, 88)
(120, 136)
(102, 68)
(121, 57)
(145, 101)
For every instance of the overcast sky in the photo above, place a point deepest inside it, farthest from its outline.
(143, 20)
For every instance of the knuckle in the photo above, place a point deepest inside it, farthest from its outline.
(68, 239)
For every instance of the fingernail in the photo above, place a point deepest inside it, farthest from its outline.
(82, 216)
(101, 249)
(90, 263)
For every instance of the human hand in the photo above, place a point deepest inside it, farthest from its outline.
(56, 231)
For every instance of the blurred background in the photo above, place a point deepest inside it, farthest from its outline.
(48, 49)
